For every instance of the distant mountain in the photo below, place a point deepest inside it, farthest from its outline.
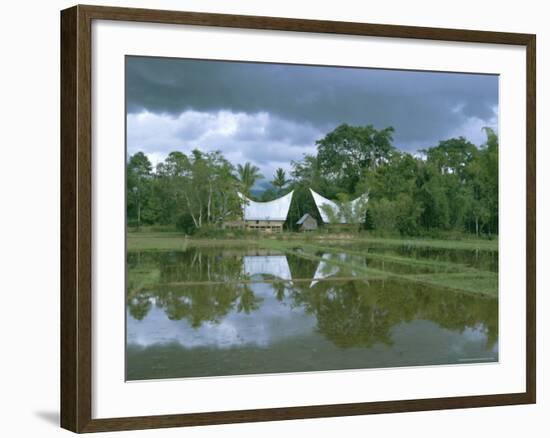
(260, 187)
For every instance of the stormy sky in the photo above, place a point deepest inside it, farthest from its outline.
(270, 114)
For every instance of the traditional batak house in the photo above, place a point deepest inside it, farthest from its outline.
(266, 216)
(338, 217)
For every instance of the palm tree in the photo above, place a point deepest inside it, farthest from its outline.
(279, 179)
(248, 175)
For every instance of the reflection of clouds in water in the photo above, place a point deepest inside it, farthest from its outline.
(475, 334)
(279, 318)
(421, 337)
(270, 323)
(469, 337)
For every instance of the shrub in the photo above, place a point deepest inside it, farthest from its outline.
(210, 231)
(186, 224)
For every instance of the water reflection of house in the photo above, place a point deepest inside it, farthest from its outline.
(324, 269)
(331, 265)
(266, 216)
(238, 252)
(268, 267)
(271, 265)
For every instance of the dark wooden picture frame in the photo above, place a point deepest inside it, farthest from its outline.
(76, 218)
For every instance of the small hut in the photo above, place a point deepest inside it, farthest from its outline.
(307, 223)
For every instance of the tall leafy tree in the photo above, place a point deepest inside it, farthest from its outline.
(393, 187)
(279, 179)
(170, 178)
(482, 187)
(248, 175)
(210, 189)
(347, 151)
(490, 160)
(191, 190)
(138, 183)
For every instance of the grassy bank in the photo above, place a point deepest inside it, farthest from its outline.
(146, 240)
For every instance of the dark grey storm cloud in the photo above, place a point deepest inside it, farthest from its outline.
(423, 107)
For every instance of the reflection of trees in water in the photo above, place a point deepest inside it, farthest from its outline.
(195, 303)
(484, 260)
(480, 259)
(354, 313)
(205, 264)
(346, 313)
(349, 313)
(280, 288)
(139, 306)
(247, 301)
(301, 267)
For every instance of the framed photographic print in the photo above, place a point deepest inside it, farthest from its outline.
(269, 218)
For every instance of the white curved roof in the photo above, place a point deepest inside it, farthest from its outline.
(276, 210)
(320, 201)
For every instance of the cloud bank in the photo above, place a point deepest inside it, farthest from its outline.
(270, 114)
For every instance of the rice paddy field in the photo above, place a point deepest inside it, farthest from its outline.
(211, 307)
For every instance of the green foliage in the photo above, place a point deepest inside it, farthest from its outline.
(347, 151)
(139, 189)
(248, 175)
(368, 224)
(185, 224)
(269, 194)
(279, 179)
(189, 191)
(209, 231)
(302, 203)
(450, 188)
(383, 215)
(346, 210)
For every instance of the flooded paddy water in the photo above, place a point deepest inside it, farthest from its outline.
(285, 307)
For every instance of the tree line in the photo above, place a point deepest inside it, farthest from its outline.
(452, 186)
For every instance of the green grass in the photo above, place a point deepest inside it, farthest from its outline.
(156, 241)
(174, 241)
(482, 282)
(481, 244)
(178, 242)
